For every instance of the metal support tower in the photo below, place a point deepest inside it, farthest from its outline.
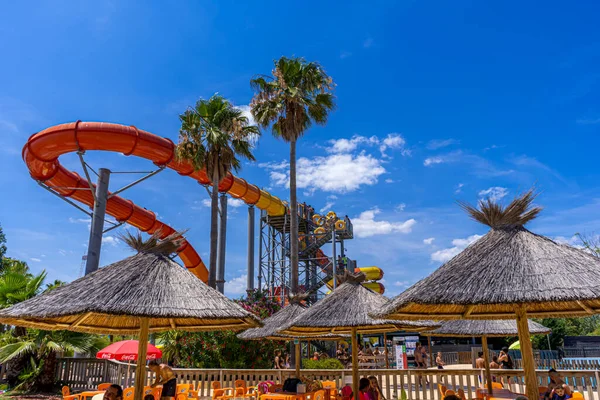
(222, 243)
(250, 283)
(95, 244)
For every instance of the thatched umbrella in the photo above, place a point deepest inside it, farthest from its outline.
(282, 319)
(347, 311)
(510, 272)
(147, 292)
(484, 328)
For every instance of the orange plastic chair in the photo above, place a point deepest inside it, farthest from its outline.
(181, 396)
(66, 393)
(576, 396)
(182, 388)
(226, 393)
(128, 393)
(461, 393)
(155, 392)
(319, 395)
(497, 385)
(239, 383)
(442, 389)
(251, 392)
(104, 386)
(194, 393)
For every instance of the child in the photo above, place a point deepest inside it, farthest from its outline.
(374, 389)
(363, 389)
(559, 394)
(438, 360)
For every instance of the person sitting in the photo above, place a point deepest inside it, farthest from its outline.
(114, 392)
(494, 364)
(363, 389)
(316, 356)
(165, 377)
(480, 362)
(556, 381)
(560, 394)
(452, 397)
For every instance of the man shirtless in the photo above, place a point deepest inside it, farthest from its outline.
(480, 362)
(165, 377)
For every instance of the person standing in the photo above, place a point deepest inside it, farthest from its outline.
(439, 361)
(165, 377)
(278, 361)
(480, 362)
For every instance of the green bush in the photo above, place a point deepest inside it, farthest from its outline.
(326, 363)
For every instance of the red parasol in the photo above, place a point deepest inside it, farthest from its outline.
(127, 350)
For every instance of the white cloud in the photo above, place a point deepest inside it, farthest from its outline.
(428, 240)
(402, 283)
(458, 246)
(348, 145)
(432, 161)
(459, 188)
(494, 193)
(400, 207)
(439, 143)
(35, 259)
(80, 220)
(327, 207)
(345, 54)
(236, 286)
(62, 252)
(233, 202)
(366, 226)
(368, 43)
(391, 141)
(592, 121)
(332, 197)
(388, 180)
(113, 241)
(339, 173)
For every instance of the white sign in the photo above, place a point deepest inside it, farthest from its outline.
(400, 358)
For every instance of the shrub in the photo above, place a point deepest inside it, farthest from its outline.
(326, 363)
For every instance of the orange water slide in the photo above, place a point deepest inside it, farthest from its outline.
(43, 149)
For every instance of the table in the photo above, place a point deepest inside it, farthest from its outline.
(292, 395)
(89, 393)
(499, 394)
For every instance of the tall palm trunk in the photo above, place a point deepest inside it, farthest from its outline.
(214, 232)
(293, 219)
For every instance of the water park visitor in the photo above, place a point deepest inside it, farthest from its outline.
(278, 363)
(114, 392)
(556, 381)
(363, 389)
(494, 364)
(505, 359)
(480, 362)
(375, 389)
(165, 377)
(439, 361)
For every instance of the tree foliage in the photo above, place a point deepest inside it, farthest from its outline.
(2, 247)
(562, 327)
(223, 349)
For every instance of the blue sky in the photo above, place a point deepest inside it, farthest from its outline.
(437, 102)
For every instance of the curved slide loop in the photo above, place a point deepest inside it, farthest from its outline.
(42, 150)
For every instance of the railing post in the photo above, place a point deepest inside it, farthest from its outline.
(221, 377)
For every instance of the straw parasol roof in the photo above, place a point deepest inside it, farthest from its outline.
(279, 320)
(113, 299)
(489, 328)
(348, 307)
(509, 266)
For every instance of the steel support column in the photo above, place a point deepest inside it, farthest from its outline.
(222, 243)
(250, 283)
(95, 243)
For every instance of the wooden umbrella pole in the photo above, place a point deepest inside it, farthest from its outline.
(308, 353)
(354, 365)
(531, 385)
(298, 358)
(486, 359)
(140, 369)
(387, 359)
(430, 353)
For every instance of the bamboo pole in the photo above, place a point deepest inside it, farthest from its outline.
(140, 369)
(298, 358)
(354, 365)
(308, 353)
(430, 353)
(387, 360)
(486, 359)
(531, 386)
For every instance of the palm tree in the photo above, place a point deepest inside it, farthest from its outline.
(213, 135)
(39, 349)
(296, 95)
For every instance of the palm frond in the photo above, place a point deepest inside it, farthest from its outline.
(517, 213)
(154, 244)
(13, 350)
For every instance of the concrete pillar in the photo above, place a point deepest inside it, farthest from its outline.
(99, 212)
(250, 283)
(222, 244)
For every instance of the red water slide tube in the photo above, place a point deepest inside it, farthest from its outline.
(43, 149)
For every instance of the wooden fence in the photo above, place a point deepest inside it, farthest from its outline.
(81, 374)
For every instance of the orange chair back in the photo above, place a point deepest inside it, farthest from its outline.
(240, 391)
(576, 396)
(442, 389)
(218, 393)
(66, 391)
(128, 393)
(275, 388)
(497, 385)
(215, 385)
(319, 395)
(182, 388)
(104, 386)
(239, 383)
(329, 384)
